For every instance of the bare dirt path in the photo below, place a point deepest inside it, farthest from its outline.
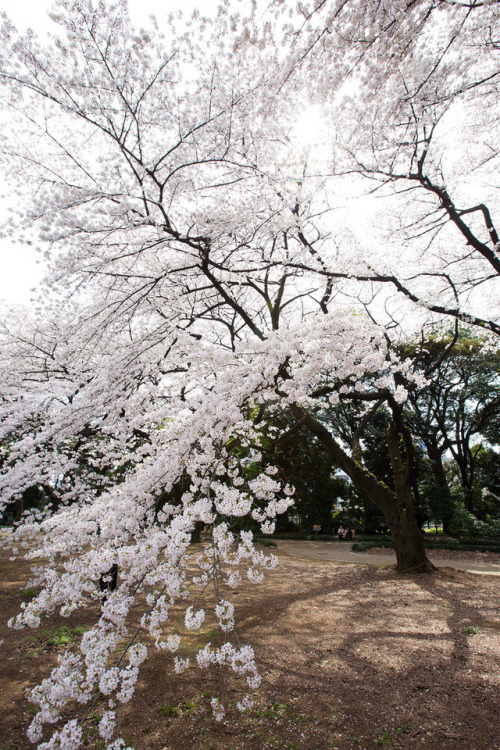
(353, 657)
(473, 562)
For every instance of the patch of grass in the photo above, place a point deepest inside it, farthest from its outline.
(386, 740)
(274, 710)
(303, 719)
(27, 593)
(279, 743)
(471, 629)
(283, 708)
(405, 729)
(168, 710)
(212, 633)
(61, 638)
(189, 704)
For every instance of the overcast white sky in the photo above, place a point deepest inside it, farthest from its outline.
(33, 13)
(20, 271)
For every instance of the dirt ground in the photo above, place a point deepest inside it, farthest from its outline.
(446, 554)
(351, 657)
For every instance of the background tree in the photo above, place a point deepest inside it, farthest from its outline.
(307, 466)
(488, 485)
(459, 406)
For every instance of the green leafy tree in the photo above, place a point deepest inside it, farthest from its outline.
(308, 467)
(458, 411)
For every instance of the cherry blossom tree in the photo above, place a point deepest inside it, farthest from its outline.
(411, 100)
(200, 279)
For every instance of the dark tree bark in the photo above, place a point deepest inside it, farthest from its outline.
(108, 581)
(19, 508)
(407, 537)
(446, 504)
(196, 533)
(53, 496)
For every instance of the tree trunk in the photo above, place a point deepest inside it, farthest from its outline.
(466, 477)
(407, 538)
(446, 505)
(54, 498)
(19, 508)
(196, 533)
(469, 498)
